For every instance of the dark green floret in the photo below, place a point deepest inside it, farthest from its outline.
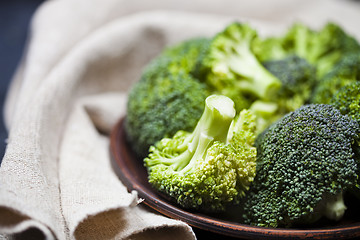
(305, 163)
(347, 70)
(323, 48)
(298, 78)
(210, 167)
(347, 100)
(167, 98)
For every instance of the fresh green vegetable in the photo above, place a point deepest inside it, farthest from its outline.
(323, 48)
(347, 100)
(298, 78)
(266, 113)
(347, 70)
(229, 67)
(210, 167)
(167, 98)
(305, 163)
(203, 156)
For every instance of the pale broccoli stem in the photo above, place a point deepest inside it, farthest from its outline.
(256, 78)
(335, 207)
(212, 126)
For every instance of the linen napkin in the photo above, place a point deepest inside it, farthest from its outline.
(71, 88)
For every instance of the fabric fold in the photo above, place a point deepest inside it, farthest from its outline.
(71, 88)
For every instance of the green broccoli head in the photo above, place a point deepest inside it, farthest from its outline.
(211, 166)
(347, 100)
(229, 66)
(177, 59)
(324, 48)
(305, 163)
(298, 78)
(347, 70)
(160, 107)
(183, 56)
(167, 98)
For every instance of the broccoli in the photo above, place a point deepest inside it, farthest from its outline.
(167, 98)
(266, 113)
(347, 100)
(323, 48)
(298, 78)
(347, 70)
(229, 67)
(305, 164)
(270, 48)
(184, 56)
(213, 165)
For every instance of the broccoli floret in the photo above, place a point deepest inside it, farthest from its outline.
(184, 56)
(160, 107)
(270, 48)
(229, 67)
(298, 78)
(347, 70)
(324, 48)
(211, 166)
(177, 59)
(305, 163)
(166, 99)
(347, 100)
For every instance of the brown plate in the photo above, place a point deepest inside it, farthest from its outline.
(134, 175)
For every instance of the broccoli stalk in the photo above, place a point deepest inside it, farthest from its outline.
(334, 208)
(212, 126)
(210, 167)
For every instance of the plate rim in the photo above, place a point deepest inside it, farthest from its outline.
(118, 152)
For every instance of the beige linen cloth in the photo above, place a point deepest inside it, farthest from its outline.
(70, 89)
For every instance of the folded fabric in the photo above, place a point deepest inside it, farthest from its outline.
(71, 88)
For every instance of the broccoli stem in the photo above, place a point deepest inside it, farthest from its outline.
(203, 144)
(257, 80)
(335, 207)
(213, 126)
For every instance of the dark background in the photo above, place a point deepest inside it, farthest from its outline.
(15, 16)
